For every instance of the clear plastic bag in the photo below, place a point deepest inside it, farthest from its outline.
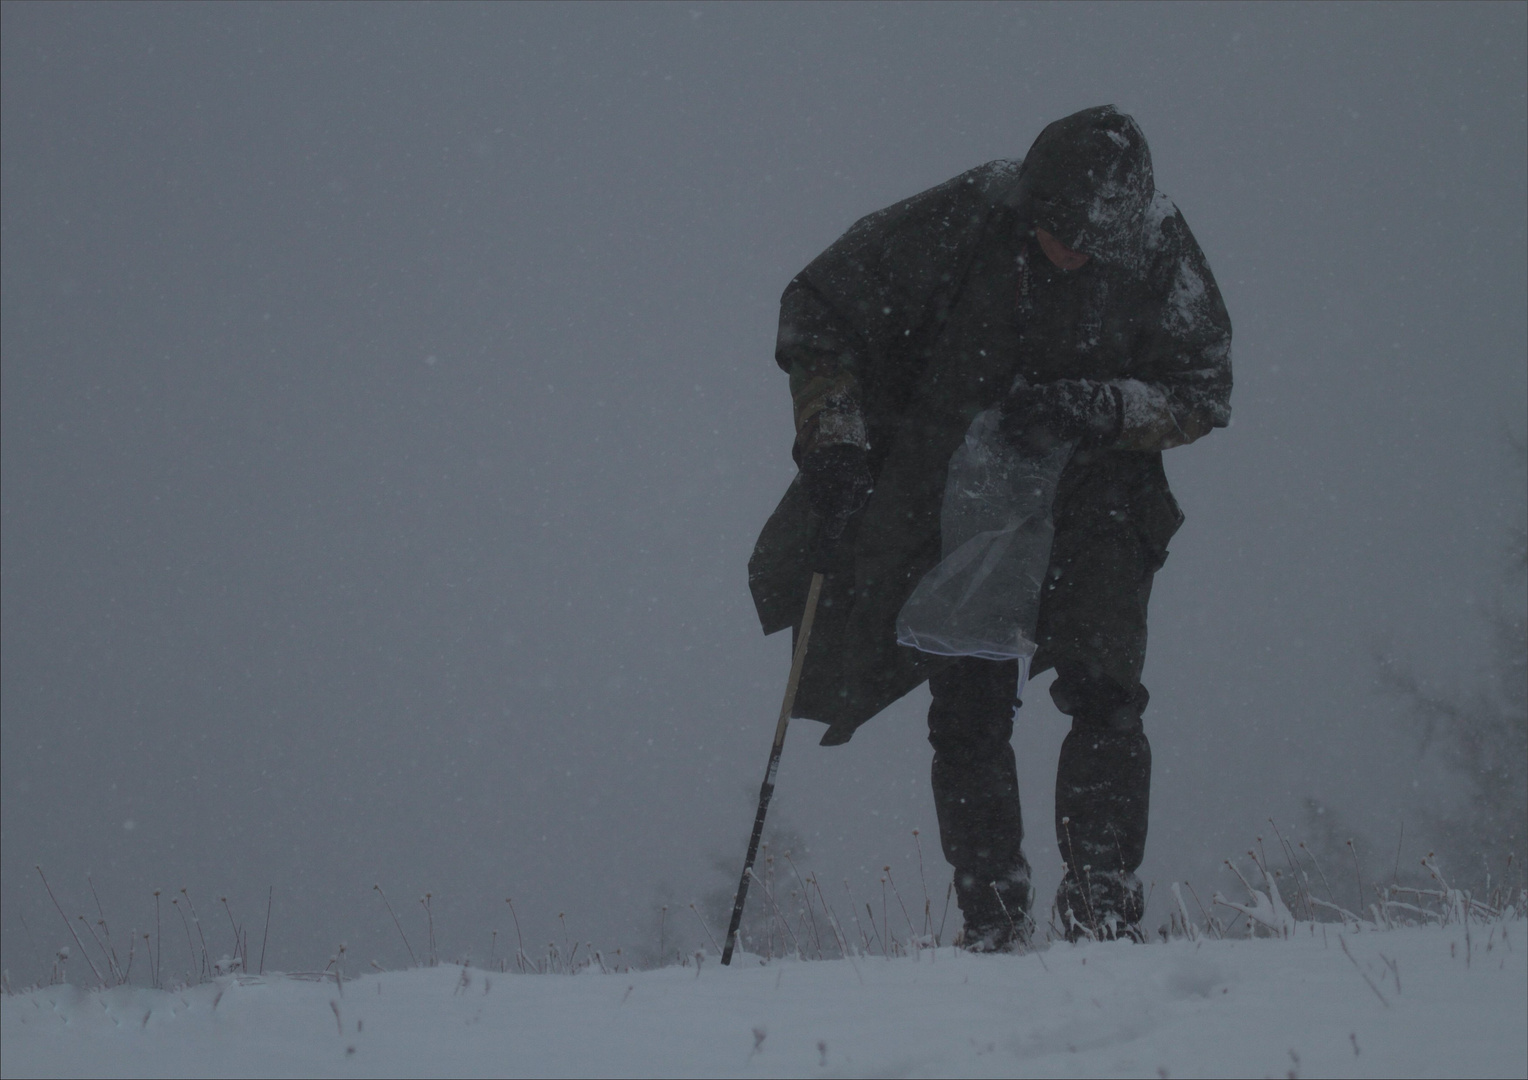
(983, 598)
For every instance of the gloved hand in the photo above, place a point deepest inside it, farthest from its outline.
(838, 482)
(1091, 412)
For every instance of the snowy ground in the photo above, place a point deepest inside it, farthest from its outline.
(1415, 1002)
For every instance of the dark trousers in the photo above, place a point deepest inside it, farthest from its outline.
(1092, 630)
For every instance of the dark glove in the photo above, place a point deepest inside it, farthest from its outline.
(1090, 412)
(838, 482)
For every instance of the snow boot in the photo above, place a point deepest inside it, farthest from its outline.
(996, 913)
(1100, 906)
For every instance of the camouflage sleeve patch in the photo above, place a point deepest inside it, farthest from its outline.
(1155, 417)
(818, 351)
(827, 411)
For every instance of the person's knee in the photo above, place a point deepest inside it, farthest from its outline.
(970, 732)
(972, 711)
(1097, 703)
(1122, 719)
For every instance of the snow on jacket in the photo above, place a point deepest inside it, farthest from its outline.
(922, 315)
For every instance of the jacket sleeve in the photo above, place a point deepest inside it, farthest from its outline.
(849, 320)
(823, 354)
(1181, 387)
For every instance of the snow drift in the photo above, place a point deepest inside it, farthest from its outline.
(1428, 1001)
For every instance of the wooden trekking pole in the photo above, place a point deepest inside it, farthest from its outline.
(768, 789)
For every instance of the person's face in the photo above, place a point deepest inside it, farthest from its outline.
(1058, 253)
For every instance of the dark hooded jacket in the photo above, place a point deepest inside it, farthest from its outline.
(921, 316)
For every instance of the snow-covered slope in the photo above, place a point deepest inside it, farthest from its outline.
(1416, 1002)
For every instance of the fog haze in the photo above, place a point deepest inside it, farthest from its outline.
(389, 410)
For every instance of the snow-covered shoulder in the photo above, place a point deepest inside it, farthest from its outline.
(1160, 209)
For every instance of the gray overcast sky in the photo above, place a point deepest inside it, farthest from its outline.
(389, 410)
